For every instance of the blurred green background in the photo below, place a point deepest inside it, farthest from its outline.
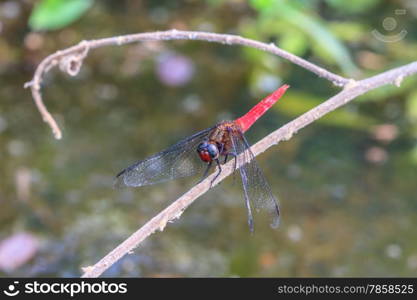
(346, 184)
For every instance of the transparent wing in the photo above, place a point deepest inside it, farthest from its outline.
(179, 160)
(256, 189)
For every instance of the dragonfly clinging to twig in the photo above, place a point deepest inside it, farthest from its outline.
(211, 146)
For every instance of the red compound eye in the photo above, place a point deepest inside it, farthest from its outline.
(205, 156)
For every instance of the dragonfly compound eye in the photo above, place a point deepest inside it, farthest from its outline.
(202, 147)
(213, 151)
(203, 152)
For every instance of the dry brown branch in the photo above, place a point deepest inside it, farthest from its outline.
(350, 92)
(70, 60)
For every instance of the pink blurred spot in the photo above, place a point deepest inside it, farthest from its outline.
(16, 250)
(385, 132)
(376, 155)
(174, 70)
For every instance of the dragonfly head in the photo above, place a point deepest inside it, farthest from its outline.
(207, 151)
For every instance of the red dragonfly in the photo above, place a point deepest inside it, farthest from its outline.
(225, 139)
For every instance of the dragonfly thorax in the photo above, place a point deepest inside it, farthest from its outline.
(208, 151)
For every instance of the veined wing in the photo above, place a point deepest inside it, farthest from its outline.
(179, 160)
(256, 189)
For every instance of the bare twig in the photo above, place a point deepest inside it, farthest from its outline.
(71, 59)
(351, 91)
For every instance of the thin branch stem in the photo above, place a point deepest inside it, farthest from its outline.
(71, 59)
(174, 211)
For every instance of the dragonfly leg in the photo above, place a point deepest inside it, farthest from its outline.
(206, 172)
(235, 157)
(235, 165)
(218, 173)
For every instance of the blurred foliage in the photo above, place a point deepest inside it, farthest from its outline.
(354, 7)
(411, 108)
(299, 103)
(56, 14)
(346, 183)
(276, 16)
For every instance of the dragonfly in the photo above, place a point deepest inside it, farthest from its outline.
(213, 147)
